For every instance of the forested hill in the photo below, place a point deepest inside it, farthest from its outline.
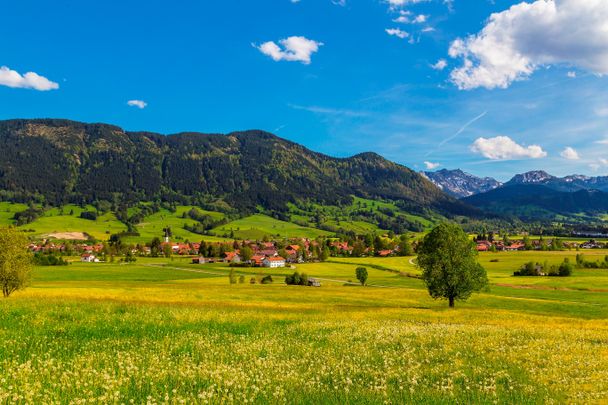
(64, 161)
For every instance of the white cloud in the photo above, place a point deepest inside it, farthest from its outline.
(29, 80)
(137, 103)
(397, 33)
(431, 165)
(601, 111)
(420, 19)
(571, 74)
(403, 3)
(440, 65)
(570, 154)
(595, 166)
(516, 42)
(503, 148)
(294, 49)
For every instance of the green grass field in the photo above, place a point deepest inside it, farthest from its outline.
(258, 225)
(167, 331)
(153, 225)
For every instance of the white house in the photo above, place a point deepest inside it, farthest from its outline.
(89, 258)
(273, 262)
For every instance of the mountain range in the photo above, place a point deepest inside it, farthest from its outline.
(534, 195)
(60, 161)
(460, 184)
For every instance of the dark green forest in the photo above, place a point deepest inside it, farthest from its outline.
(58, 161)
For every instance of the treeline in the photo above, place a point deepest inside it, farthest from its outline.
(536, 269)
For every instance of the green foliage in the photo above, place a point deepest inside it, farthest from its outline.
(266, 279)
(583, 263)
(41, 259)
(232, 276)
(246, 253)
(15, 261)
(531, 269)
(361, 273)
(449, 267)
(296, 279)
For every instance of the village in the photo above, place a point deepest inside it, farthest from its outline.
(285, 252)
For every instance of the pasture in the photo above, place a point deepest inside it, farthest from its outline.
(167, 331)
(257, 226)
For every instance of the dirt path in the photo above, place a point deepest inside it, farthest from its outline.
(215, 273)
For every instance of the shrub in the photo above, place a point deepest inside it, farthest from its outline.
(266, 280)
(90, 215)
(297, 279)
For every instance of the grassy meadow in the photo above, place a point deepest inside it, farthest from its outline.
(257, 226)
(167, 331)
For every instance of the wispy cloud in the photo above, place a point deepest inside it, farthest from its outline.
(460, 131)
(329, 111)
(137, 103)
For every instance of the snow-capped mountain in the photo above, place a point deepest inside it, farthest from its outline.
(460, 184)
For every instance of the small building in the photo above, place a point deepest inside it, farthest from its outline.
(257, 260)
(89, 258)
(202, 260)
(232, 257)
(274, 262)
(313, 282)
(385, 253)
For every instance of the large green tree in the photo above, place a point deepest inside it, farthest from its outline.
(15, 261)
(449, 266)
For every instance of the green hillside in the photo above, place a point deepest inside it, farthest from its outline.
(152, 226)
(257, 226)
(57, 222)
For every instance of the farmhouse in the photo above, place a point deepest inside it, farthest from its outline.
(256, 260)
(273, 262)
(385, 253)
(232, 257)
(89, 258)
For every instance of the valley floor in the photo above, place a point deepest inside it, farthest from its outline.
(162, 331)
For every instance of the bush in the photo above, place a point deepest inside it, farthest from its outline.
(297, 279)
(565, 269)
(266, 280)
(90, 215)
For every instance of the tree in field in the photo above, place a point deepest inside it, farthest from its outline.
(361, 273)
(15, 261)
(155, 247)
(449, 267)
(324, 254)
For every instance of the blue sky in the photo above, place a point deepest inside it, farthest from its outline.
(522, 90)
